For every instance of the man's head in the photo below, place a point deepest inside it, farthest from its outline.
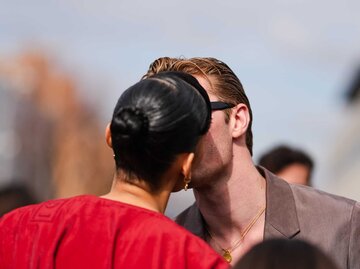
(293, 165)
(224, 84)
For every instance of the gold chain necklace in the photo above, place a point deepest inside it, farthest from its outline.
(227, 251)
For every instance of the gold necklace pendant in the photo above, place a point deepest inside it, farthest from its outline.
(227, 251)
(227, 255)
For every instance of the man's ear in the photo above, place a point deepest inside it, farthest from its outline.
(241, 119)
(108, 136)
(186, 165)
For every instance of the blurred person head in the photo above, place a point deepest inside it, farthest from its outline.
(293, 165)
(285, 254)
(157, 124)
(14, 196)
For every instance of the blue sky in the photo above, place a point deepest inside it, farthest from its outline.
(294, 58)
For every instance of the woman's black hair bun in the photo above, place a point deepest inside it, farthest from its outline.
(131, 123)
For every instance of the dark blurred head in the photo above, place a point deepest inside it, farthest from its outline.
(14, 196)
(285, 254)
(155, 120)
(288, 163)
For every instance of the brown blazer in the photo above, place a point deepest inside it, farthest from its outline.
(294, 211)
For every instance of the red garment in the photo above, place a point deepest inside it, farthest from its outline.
(92, 232)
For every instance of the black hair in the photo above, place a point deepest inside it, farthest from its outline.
(155, 120)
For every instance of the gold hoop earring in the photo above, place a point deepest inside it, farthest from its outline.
(186, 181)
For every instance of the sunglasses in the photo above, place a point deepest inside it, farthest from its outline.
(218, 105)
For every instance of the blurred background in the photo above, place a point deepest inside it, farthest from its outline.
(63, 65)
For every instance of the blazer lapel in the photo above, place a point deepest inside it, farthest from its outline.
(281, 217)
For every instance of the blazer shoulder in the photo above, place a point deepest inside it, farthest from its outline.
(315, 198)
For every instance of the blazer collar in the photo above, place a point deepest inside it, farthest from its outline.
(281, 218)
(192, 220)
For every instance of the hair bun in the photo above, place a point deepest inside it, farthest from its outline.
(131, 123)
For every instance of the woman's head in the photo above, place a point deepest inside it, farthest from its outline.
(154, 121)
(284, 254)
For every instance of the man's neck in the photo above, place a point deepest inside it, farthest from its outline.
(231, 205)
(232, 202)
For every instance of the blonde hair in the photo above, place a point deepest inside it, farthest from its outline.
(223, 81)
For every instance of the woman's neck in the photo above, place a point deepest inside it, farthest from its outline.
(138, 194)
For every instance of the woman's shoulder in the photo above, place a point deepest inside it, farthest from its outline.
(49, 210)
